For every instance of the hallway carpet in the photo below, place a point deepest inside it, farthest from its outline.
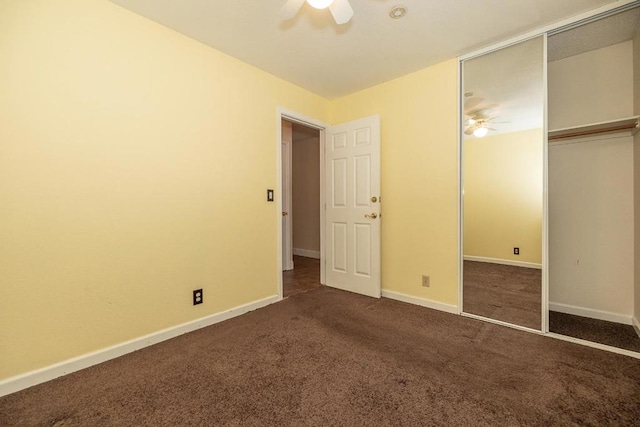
(304, 277)
(330, 358)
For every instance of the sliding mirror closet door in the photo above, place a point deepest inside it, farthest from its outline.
(502, 183)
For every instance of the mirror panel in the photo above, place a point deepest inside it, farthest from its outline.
(502, 176)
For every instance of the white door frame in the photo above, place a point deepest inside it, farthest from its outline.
(286, 196)
(311, 122)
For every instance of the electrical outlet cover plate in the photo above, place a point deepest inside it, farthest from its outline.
(425, 281)
(197, 297)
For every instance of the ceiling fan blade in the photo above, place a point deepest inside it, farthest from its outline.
(480, 113)
(290, 9)
(491, 120)
(472, 102)
(341, 11)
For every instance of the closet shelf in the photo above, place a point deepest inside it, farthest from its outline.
(631, 124)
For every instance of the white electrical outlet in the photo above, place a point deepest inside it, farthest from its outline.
(425, 281)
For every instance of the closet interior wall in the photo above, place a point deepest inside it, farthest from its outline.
(593, 182)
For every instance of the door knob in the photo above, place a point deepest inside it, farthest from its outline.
(285, 213)
(372, 216)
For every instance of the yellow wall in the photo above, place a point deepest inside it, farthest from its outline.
(133, 168)
(503, 196)
(419, 178)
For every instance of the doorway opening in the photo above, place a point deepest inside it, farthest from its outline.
(301, 188)
(301, 176)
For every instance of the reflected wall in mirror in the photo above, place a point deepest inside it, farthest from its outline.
(592, 218)
(502, 157)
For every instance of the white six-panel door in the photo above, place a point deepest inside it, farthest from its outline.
(352, 186)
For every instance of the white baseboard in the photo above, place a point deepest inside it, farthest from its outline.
(588, 312)
(594, 345)
(287, 265)
(503, 261)
(420, 301)
(306, 253)
(29, 379)
(636, 325)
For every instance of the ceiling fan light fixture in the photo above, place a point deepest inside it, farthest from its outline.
(480, 132)
(320, 4)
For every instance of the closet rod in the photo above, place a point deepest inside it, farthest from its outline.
(592, 130)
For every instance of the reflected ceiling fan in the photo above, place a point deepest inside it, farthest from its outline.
(478, 123)
(340, 9)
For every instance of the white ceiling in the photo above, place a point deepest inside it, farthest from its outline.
(334, 60)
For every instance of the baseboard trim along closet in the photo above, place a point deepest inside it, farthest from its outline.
(503, 261)
(594, 345)
(420, 301)
(588, 312)
(29, 379)
(636, 325)
(306, 253)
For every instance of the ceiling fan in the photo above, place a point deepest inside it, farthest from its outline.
(478, 123)
(340, 9)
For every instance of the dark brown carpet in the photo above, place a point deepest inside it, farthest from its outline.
(304, 277)
(332, 358)
(600, 331)
(503, 292)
